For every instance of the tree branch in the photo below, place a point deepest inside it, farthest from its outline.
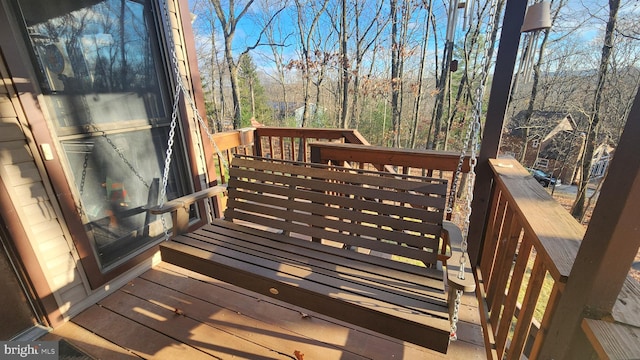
(264, 29)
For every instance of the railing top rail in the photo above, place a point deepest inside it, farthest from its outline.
(556, 233)
(352, 135)
(229, 139)
(441, 160)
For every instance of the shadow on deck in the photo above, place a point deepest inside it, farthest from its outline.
(172, 313)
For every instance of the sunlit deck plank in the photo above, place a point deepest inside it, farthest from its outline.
(141, 319)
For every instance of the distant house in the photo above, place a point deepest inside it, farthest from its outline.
(553, 142)
(283, 109)
(602, 155)
(315, 116)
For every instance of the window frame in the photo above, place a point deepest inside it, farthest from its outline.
(22, 65)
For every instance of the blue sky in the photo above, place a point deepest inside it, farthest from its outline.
(588, 16)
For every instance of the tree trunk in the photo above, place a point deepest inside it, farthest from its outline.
(305, 44)
(418, 99)
(344, 66)
(218, 108)
(578, 208)
(395, 77)
(235, 89)
(253, 99)
(534, 88)
(454, 110)
(443, 85)
(229, 29)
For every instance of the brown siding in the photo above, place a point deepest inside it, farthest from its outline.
(21, 174)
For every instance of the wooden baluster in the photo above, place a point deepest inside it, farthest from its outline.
(511, 302)
(507, 251)
(538, 274)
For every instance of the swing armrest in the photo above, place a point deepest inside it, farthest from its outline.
(185, 201)
(453, 236)
(179, 208)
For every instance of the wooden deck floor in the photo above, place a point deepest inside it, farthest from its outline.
(171, 313)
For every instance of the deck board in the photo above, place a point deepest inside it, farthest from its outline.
(252, 330)
(186, 329)
(218, 320)
(139, 339)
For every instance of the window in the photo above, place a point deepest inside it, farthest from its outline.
(99, 68)
(541, 163)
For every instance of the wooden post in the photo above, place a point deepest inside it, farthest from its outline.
(607, 250)
(257, 143)
(498, 101)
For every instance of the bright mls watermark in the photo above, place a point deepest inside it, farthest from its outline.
(45, 350)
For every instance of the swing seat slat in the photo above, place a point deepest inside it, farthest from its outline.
(363, 247)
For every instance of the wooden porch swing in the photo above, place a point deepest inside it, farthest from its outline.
(361, 246)
(370, 248)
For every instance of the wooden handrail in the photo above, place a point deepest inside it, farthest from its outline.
(530, 243)
(352, 136)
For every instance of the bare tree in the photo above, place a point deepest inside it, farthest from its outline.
(278, 59)
(365, 38)
(306, 31)
(229, 21)
(419, 85)
(442, 85)
(400, 13)
(578, 208)
(344, 65)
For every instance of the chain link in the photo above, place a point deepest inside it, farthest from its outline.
(180, 88)
(453, 336)
(167, 159)
(471, 143)
(83, 179)
(115, 148)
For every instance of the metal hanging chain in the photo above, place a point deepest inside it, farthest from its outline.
(471, 143)
(120, 154)
(179, 89)
(167, 159)
(199, 118)
(85, 165)
(82, 181)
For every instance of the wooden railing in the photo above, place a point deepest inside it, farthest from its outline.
(327, 145)
(293, 143)
(275, 142)
(224, 145)
(530, 245)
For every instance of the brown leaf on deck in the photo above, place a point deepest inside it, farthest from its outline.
(298, 355)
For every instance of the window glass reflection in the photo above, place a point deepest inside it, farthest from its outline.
(103, 50)
(99, 73)
(118, 182)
